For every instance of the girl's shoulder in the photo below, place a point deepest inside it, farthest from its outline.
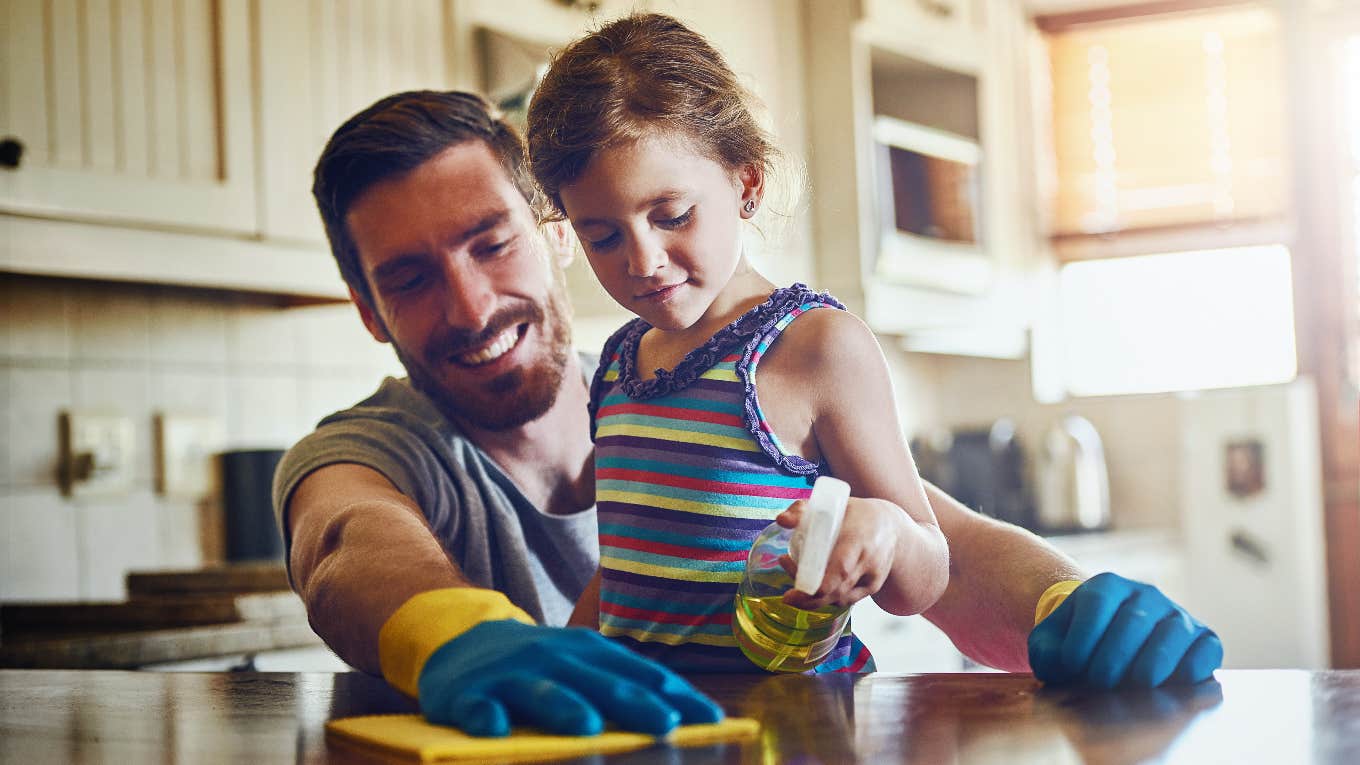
(614, 359)
(821, 333)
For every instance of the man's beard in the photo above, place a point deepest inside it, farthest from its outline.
(506, 401)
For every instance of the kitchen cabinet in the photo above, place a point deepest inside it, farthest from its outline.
(140, 122)
(962, 75)
(173, 141)
(137, 112)
(320, 63)
(940, 30)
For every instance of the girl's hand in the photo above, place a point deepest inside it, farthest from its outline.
(861, 559)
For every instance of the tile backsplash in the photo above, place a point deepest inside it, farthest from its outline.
(267, 372)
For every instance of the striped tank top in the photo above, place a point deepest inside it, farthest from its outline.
(687, 474)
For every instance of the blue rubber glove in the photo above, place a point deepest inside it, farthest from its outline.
(1114, 632)
(565, 680)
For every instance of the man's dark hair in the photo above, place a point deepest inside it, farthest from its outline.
(395, 136)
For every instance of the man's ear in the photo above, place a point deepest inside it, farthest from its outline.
(370, 318)
(751, 182)
(561, 241)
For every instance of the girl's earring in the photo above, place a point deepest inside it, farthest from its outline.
(750, 207)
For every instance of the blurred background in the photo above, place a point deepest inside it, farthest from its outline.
(1110, 249)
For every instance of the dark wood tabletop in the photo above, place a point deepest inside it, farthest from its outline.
(119, 717)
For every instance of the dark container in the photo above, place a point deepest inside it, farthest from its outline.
(247, 504)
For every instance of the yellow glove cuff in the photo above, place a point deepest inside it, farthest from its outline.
(428, 621)
(1052, 598)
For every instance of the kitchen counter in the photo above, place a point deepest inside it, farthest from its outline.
(1244, 716)
(172, 616)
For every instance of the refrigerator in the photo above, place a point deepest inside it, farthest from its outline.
(1252, 522)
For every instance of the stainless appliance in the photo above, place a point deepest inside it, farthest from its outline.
(984, 468)
(1074, 485)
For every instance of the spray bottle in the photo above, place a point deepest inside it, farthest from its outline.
(776, 636)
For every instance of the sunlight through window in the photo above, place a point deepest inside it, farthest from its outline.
(1179, 321)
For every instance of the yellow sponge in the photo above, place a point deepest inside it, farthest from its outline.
(412, 736)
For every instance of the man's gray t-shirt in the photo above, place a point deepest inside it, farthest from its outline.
(496, 536)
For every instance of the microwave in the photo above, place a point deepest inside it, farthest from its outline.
(929, 208)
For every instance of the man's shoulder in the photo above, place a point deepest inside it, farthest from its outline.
(394, 397)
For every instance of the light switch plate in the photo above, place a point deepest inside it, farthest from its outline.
(98, 450)
(185, 448)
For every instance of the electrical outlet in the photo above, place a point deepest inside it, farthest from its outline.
(186, 445)
(97, 454)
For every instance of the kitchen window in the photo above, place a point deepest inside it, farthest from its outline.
(1173, 322)
(1169, 204)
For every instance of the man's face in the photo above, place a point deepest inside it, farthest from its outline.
(464, 287)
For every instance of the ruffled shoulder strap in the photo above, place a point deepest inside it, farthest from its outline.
(793, 302)
(612, 350)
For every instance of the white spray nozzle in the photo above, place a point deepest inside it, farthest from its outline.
(816, 533)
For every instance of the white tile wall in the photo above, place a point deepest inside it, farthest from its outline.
(197, 392)
(334, 337)
(179, 533)
(140, 351)
(6, 432)
(185, 330)
(36, 396)
(39, 552)
(112, 322)
(261, 336)
(116, 537)
(263, 411)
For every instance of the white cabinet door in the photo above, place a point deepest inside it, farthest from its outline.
(945, 32)
(321, 62)
(129, 111)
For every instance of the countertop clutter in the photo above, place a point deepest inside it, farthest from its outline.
(170, 616)
(1244, 716)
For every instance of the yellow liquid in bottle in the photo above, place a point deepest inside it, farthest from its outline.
(781, 638)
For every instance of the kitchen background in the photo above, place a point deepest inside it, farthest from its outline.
(163, 275)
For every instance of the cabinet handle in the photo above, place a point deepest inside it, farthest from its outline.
(11, 152)
(941, 8)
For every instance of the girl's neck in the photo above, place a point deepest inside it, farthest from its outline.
(665, 349)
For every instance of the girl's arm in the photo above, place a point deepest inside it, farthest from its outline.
(890, 545)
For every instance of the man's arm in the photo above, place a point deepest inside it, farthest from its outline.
(360, 550)
(381, 592)
(997, 574)
(587, 611)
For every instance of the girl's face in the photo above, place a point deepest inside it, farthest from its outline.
(661, 225)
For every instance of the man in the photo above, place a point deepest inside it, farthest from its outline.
(432, 528)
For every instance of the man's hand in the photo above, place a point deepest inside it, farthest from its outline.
(563, 680)
(1112, 632)
(861, 559)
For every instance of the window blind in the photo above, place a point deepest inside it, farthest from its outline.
(1166, 126)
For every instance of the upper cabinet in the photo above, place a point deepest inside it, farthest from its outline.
(320, 63)
(919, 121)
(136, 112)
(945, 31)
(173, 141)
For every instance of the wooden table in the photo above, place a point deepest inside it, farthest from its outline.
(1246, 716)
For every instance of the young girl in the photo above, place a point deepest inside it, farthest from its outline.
(640, 135)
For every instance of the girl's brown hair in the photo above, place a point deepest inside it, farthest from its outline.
(634, 77)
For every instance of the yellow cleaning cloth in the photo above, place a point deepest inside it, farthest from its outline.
(412, 736)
